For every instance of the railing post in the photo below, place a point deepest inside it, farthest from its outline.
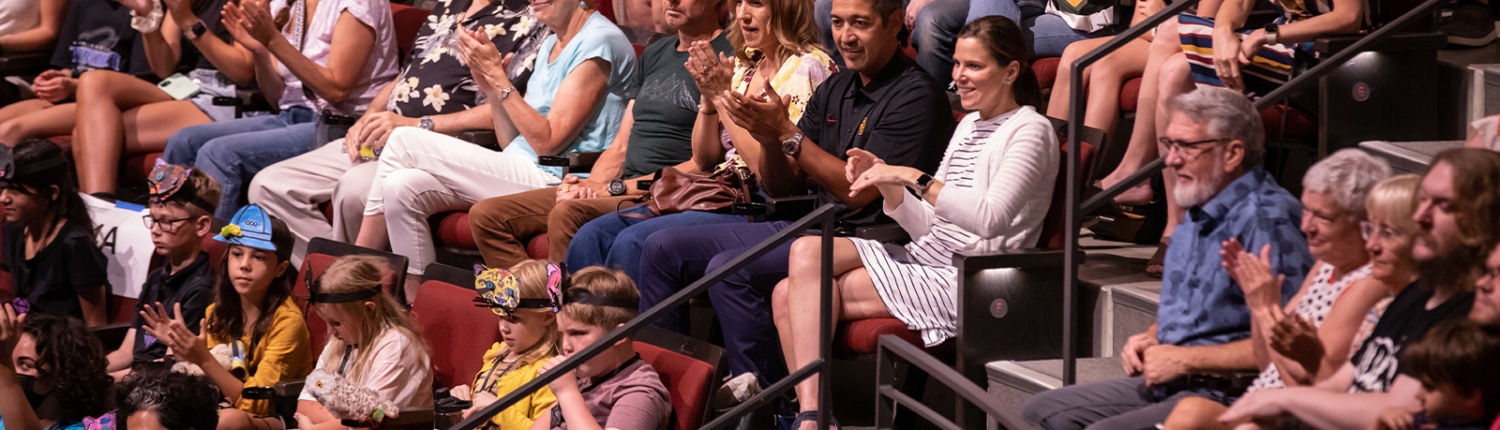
(825, 329)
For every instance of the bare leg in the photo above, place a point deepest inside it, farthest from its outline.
(854, 297)
(1107, 77)
(22, 108)
(48, 122)
(1142, 148)
(372, 233)
(1176, 79)
(235, 419)
(114, 108)
(1196, 413)
(1057, 104)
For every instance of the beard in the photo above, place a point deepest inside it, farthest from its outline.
(1453, 267)
(1202, 189)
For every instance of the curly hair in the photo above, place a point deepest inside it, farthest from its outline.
(1476, 176)
(73, 357)
(179, 400)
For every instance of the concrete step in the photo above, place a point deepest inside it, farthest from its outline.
(1013, 382)
(1409, 157)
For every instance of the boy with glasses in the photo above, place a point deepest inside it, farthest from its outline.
(180, 215)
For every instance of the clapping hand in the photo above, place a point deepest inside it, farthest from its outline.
(1297, 339)
(485, 63)
(763, 113)
(711, 70)
(236, 23)
(1253, 274)
(188, 346)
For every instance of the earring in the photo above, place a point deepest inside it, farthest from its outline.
(583, 4)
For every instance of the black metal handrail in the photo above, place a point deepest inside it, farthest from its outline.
(894, 350)
(823, 218)
(1075, 123)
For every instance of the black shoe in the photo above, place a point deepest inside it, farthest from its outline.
(1469, 24)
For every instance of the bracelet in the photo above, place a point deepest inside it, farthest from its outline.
(149, 23)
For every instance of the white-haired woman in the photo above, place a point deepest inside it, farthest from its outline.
(1334, 300)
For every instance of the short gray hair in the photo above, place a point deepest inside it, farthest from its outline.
(1228, 115)
(1347, 176)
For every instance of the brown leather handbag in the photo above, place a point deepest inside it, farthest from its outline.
(674, 191)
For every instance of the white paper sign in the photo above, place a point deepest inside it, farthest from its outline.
(125, 241)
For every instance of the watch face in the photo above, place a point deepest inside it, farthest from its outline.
(425, 123)
(616, 187)
(790, 147)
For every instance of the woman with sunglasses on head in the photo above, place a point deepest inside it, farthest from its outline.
(253, 317)
(525, 300)
(49, 250)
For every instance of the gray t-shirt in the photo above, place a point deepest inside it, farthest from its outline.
(665, 109)
(632, 398)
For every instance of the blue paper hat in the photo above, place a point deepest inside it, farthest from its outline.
(251, 227)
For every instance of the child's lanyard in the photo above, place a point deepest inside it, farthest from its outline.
(345, 361)
(595, 382)
(491, 379)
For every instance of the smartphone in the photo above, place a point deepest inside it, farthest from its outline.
(179, 86)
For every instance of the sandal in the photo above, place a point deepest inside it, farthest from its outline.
(1157, 264)
(813, 416)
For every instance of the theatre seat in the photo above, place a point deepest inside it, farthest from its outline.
(1046, 71)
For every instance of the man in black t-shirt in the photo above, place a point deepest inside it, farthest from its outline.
(1456, 213)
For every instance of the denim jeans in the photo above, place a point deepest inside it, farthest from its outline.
(615, 240)
(232, 152)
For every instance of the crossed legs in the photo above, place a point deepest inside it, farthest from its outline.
(120, 114)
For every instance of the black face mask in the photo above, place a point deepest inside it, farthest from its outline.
(28, 386)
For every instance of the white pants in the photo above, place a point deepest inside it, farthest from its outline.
(422, 173)
(293, 189)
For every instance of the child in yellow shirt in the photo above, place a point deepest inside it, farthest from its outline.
(523, 298)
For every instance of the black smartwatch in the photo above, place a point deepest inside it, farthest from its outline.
(923, 182)
(616, 187)
(196, 31)
(1272, 31)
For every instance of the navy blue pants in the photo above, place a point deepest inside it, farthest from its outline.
(676, 257)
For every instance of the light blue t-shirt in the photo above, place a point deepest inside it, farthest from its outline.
(600, 39)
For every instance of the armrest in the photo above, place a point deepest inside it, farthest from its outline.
(1010, 308)
(890, 233)
(413, 419)
(24, 63)
(284, 402)
(485, 138)
(571, 160)
(1419, 41)
(111, 335)
(790, 207)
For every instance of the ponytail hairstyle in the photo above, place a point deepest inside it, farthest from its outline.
(1006, 44)
(354, 276)
(40, 166)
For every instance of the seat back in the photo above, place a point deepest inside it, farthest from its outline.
(407, 22)
(317, 329)
(458, 331)
(395, 281)
(1054, 226)
(688, 368)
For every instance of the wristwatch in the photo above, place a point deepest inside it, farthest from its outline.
(505, 92)
(793, 145)
(425, 123)
(616, 187)
(196, 31)
(923, 182)
(1272, 30)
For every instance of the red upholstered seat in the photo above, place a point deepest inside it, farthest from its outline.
(1130, 95)
(459, 332)
(451, 230)
(687, 379)
(316, 327)
(119, 309)
(862, 337)
(537, 248)
(407, 22)
(1298, 122)
(1046, 71)
(135, 168)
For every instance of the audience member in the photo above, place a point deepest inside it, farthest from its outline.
(1454, 362)
(53, 373)
(433, 92)
(301, 70)
(786, 46)
(992, 190)
(528, 325)
(180, 215)
(167, 401)
(615, 389)
(574, 99)
(96, 34)
(1216, 143)
(253, 317)
(883, 103)
(1457, 199)
(50, 252)
(1310, 337)
(373, 344)
(119, 114)
(1104, 80)
(26, 27)
(656, 133)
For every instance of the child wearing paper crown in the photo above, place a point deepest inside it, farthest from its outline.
(49, 246)
(615, 389)
(526, 300)
(179, 216)
(373, 344)
(253, 320)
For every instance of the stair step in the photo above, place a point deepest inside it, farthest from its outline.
(1013, 382)
(1133, 310)
(1409, 157)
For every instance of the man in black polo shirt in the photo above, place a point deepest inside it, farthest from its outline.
(882, 103)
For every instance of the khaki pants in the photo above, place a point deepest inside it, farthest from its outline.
(503, 225)
(293, 189)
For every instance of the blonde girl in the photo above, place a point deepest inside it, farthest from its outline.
(524, 298)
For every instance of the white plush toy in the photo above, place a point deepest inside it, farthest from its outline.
(220, 352)
(347, 401)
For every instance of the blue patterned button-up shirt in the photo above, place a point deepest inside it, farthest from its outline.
(1200, 304)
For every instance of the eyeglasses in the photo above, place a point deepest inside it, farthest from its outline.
(167, 226)
(1368, 229)
(1187, 149)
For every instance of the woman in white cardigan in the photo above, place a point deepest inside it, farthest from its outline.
(991, 192)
